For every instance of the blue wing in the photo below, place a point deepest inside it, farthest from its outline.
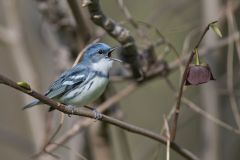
(66, 82)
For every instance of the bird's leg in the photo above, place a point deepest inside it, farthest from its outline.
(72, 108)
(97, 115)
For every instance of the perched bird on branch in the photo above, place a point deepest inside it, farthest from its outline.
(85, 82)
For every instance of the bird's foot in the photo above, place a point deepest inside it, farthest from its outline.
(72, 108)
(97, 115)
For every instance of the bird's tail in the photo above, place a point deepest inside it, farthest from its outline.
(32, 104)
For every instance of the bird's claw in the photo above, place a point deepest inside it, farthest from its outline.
(97, 115)
(72, 108)
(70, 114)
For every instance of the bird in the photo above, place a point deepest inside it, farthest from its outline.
(85, 82)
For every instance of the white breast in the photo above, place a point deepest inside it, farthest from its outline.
(93, 89)
(87, 94)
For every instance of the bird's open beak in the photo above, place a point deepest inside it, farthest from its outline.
(110, 54)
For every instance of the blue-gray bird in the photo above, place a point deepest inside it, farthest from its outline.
(85, 82)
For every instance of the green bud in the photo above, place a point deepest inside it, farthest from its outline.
(216, 29)
(24, 85)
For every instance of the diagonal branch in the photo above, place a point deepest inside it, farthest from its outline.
(80, 112)
(208, 116)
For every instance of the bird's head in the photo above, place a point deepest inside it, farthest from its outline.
(99, 56)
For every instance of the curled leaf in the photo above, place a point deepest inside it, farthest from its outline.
(216, 29)
(24, 85)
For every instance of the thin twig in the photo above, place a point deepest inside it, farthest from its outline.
(177, 110)
(149, 49)
(206, 50)
(59, 17)
(205, 114)
(48, 128)
(80, 112)
(198, 110)
(162, 39)
(44, 150)
(133, 22)
(166, 125)
(230, 75)
(127, 13)
(57, 130)
(80, 156)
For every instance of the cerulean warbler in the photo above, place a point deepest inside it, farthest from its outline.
(85, 82)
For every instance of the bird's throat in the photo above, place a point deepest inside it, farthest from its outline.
(103, 65)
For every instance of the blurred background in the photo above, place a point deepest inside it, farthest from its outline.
(41, 38)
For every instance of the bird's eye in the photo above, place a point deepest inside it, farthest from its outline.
(100, 51)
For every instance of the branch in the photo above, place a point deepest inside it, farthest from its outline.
(177, 109)
(119, 33)
(80, 112)
(208, 116)
(232, 27)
